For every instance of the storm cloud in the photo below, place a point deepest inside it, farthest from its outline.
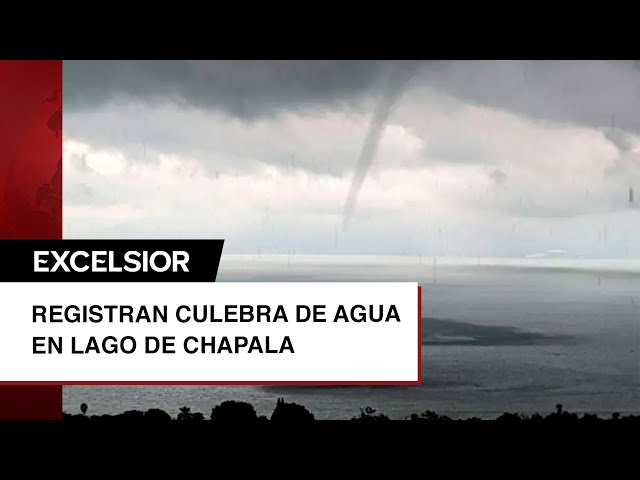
(246, 89)
(590, 93)
(470, 149)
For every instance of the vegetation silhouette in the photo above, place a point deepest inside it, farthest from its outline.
(428, 415)
(368, 414)
(186, 415)
(233, 411)
(284, 412)
(157, 415)
(290, 412)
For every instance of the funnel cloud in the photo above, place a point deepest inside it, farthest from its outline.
(399, 76)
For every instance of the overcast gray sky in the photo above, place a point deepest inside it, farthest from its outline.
(477, 158)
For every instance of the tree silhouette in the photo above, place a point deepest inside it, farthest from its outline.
(130, 415)
(231, 410)
(157, 415)
(426, 415)
(429, 415)
(290, 412)
(185, 413)
(84, 407)
(511, 417)
(369, 414)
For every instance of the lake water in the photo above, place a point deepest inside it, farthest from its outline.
(518, 335)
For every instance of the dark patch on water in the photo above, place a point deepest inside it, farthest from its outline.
(437, 331)
(441, 332)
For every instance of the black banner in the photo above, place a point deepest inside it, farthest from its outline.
(110, 260)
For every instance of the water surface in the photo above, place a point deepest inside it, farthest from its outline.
(498, 335)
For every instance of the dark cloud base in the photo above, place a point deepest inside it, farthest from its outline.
(592, 93)
(246, 89)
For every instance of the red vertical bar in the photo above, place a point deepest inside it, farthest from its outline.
(419, 334)
(30, 190)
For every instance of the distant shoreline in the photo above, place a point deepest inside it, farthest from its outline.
(629, 265)
(238, 411)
